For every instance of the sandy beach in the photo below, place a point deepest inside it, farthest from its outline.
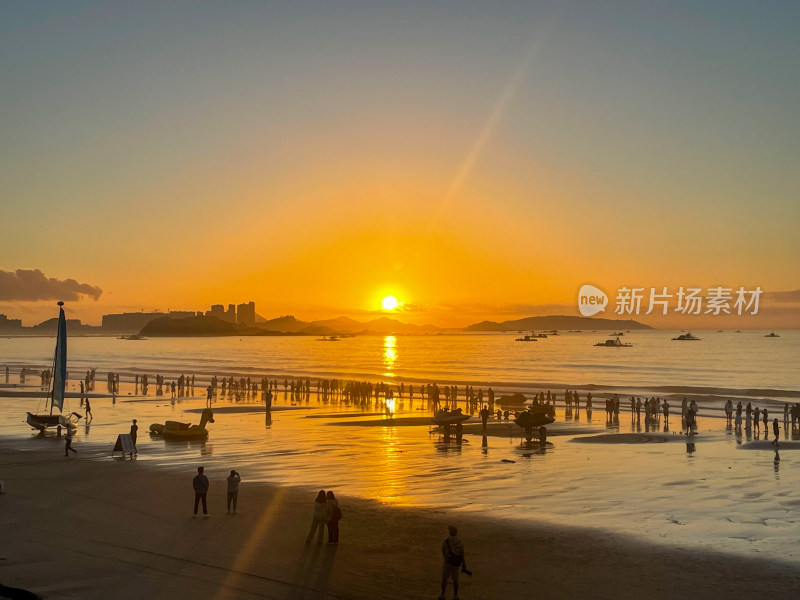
(92, 527)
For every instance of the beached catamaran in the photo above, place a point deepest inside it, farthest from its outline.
(56, 397)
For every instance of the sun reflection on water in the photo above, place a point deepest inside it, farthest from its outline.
(389, 355)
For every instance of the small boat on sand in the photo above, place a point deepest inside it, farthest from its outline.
(56, 397)
(174, 430)
(449, 417)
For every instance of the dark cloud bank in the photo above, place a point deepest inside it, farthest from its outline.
(31, 284)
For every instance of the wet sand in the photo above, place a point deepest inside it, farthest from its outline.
(91, 527)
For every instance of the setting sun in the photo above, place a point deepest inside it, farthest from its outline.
(389, 303)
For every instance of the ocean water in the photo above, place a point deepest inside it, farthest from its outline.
(721, 490)
(722, 363)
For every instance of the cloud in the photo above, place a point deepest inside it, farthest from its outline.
(790, 296)
(31, 284)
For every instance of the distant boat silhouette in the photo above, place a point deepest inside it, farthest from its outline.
(686, 337)
(773, 334)
(527, 338)
(615, 343)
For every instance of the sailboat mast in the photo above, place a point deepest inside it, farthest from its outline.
(59, 362)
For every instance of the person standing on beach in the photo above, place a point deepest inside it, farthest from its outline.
(775, 430)
(765, 417)
(89, 415)
(454, 560)
(484, 416)
(233, 490)
(321, 517)
(336, 515)
(200, 484)
(757, 414)
(134, 435)
(68, 442)
(665, 410)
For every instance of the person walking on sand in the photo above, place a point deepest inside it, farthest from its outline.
(233, 490)
(320, 518)
(200, 484)
(134, 435)
(68, 442)
(454, 560)
(89, 415)
(336, 515)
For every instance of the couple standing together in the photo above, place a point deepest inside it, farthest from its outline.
(326, 512)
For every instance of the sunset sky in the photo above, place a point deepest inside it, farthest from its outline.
(477, 160)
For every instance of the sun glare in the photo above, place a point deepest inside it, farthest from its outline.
(389, 303)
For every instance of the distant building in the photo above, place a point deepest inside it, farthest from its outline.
(230, 315)
(7, 324)
(246, 314)
(126, 322)
(217, 310)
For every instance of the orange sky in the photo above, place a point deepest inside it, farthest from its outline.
(313, 162)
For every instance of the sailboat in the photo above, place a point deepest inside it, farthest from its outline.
(56, 398)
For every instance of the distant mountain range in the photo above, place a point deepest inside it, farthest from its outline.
(289, 325)
(557, 322)
(339, 325)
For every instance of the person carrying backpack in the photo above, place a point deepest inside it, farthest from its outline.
(454, 561)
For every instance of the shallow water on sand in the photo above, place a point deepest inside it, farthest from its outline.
(713, 495)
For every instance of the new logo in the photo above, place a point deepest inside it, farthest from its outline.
(591, 300)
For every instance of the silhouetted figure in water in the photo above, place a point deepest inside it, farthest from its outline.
(484, 416)
(775, 431)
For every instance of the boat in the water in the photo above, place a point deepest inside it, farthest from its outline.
(331, 338)
(56, 396)
(686, 337)
(615, 343)
(773, 334)
(527, 338)
(175, 430)
(449, 417)
(616, 334)
(134, 336)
